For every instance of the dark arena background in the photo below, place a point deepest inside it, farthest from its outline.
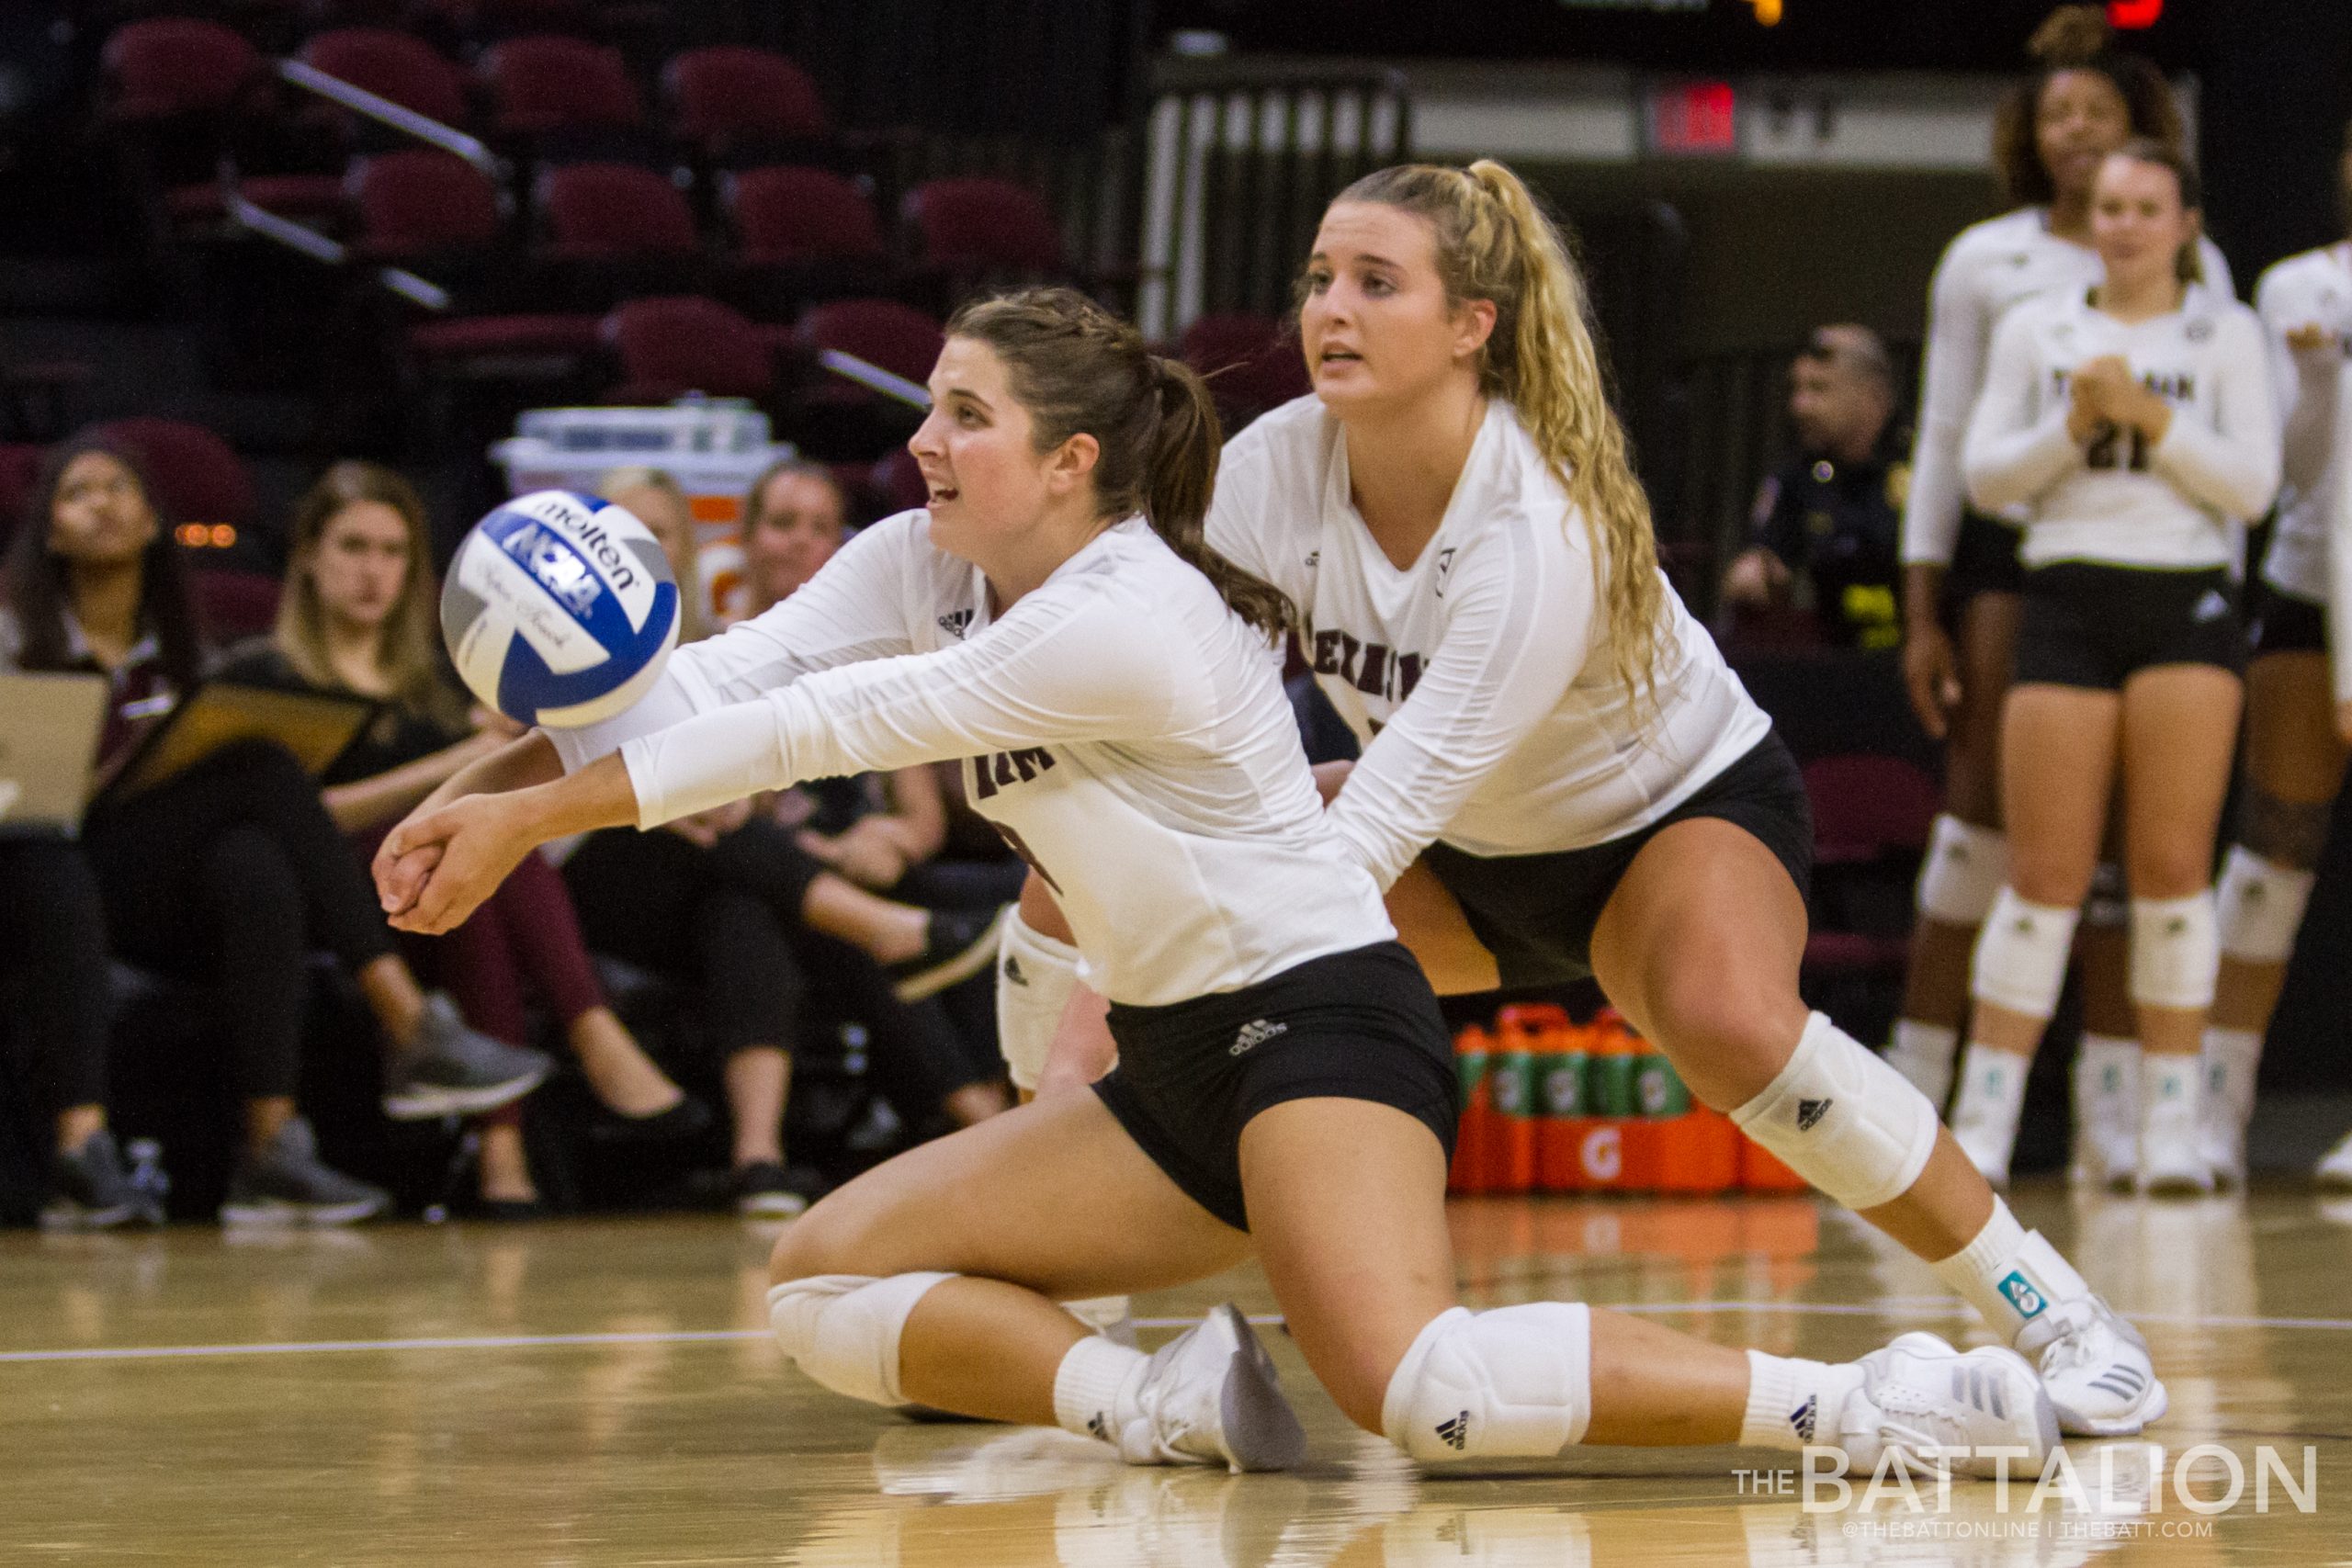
(499, 245)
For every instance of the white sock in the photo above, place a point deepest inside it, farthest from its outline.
(2010, 1274)
(2109, 1068)
(2171, 1090)
(1792, 1401)
(2231, 1057)
(1992, 1096)
(1090, 1383)
(1923, 1053)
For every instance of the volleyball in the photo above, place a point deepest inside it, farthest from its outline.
(559, 609)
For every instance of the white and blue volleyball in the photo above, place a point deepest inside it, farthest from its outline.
(559, 609)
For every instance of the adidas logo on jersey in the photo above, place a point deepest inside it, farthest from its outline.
(1455, 1434)
(1257, 1031)
(2212, 607)
(1810, 1112)
(955, 622)
(1802, 1418)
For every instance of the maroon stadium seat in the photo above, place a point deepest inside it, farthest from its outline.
(614, 211)
(899, 338)
(393, 65)
(549, 83)
(1252, 364)
(669, 346)
(231, 605)
(416, 205)
(789, 215)
(728, 97)
(977, 225)
(20, 466)
(169, 67)
(1866, 810)
(897, 481)
(198, 477)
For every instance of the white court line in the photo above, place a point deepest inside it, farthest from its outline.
(725, 1335)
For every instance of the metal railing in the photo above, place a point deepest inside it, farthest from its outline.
(1240, 159)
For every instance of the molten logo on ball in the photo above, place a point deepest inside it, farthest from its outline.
(559, 609)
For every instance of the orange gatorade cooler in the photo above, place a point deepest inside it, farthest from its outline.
(1560, 1077)
(1471, 1049)
(1520, 1045)
(1700, 1153)
(1611, 1106)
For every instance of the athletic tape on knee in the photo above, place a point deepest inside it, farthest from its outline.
(1963, 872)
(2020, 961)
(2109, 905)
(2176, 951)
(1842, 1119)
(1515, 1383)
(1034, 974)
(842, 1329)
(2262, 907)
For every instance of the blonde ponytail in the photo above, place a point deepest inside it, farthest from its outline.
(1495, 243)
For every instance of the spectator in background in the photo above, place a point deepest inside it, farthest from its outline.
(53, 947)
(230, 870)
(654, 498)
(729, 901)
(1822, 534)
(357, 619)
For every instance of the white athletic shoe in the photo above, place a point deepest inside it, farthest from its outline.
(1988, 1148)
(2096, 1368)
(2221, 1142)
(1919, 1396)
(2335, 1167)
(1113, 1317)
(1210, 1397)
(2106, 1129)
(2172, 1133)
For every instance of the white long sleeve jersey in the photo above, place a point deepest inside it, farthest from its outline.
(1118, 724)
(2118, 500)
(2314, 289)
(1469, 676)
(1987, 268)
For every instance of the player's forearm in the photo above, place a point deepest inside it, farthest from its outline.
(521, 764)
(598, 795)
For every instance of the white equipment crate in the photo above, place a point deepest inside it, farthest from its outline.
(713, 447)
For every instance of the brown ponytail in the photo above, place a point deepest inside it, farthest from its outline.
(2074, 38)
(1078, 369)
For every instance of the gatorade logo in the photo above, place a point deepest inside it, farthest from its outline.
(1604, 1154)
(2022, 1294)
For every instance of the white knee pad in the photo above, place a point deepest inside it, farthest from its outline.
(843, 1330)
(2176, 951)
(1515, 1383)
(2109, 905)
(2020, 961)
(2262, 907)
(1034, 974)
(1842, 1119)
(1963, 872)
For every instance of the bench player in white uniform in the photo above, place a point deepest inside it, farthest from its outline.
(1963, 581)
(2298, 710)
(1560, 776)
(2135, 421)
(1286, 1084)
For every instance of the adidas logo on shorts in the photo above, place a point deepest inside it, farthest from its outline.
(1257, 1031)
(1455, 1434)
(1802, 1418)
(1810, 1112)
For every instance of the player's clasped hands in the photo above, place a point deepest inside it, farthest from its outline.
(432, 872)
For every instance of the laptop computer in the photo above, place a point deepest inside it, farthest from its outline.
(49, 740)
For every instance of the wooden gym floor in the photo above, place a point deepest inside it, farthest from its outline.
(604, 1391)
